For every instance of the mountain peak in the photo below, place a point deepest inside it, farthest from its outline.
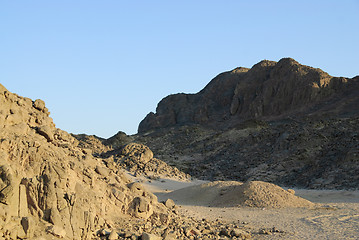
(269, 89)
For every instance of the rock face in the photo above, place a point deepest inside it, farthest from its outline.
(268, 90)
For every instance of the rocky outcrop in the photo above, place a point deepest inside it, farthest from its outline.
(119, 152)
(51, 186)
(268, 90)
(139, 160)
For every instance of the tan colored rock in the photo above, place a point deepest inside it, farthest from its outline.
(141, 208)
(292, 191)
(113, 235)
(137, 153)
(39, 104)
(149, 236)
(23, 208)
(7, 184)
(170, 203)
(46, 132)
(57, 231)
(240, 234)
(102, 171)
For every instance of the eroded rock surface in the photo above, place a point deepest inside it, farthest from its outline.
(53, 187)
(268, 90)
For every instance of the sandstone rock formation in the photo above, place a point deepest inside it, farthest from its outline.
(268, 90)
(52, 186)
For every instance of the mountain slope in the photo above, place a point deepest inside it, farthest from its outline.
(280, 122)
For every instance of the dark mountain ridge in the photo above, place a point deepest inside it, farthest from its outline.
(268, 90)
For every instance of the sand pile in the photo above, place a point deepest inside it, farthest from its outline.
(231, 194)
(260, 194)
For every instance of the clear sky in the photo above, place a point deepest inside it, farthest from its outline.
(102, 65)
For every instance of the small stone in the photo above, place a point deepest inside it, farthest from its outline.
(113, 235)
(102, 171)
(57, 231)
(240, 234)
(224, 232)
(149, 236)
(169, 203)
(264, 231)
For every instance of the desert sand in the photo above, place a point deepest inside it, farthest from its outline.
(334, 214)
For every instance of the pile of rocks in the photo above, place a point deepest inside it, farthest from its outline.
(50, 187)
(138, 159)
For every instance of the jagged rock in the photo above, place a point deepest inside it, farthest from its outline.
(48, 177)
(138, 159)
(46, 131)
(39, 104)
(137, 153)
(141, 207)
(8, 185)
(269, 89)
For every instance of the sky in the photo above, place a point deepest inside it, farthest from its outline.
(102, 66)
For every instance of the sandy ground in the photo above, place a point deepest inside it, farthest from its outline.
(336, 215)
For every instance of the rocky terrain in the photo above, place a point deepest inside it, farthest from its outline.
(53, 186)
(280, 122)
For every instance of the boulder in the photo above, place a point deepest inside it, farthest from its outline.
(46, 131)
(39, 104)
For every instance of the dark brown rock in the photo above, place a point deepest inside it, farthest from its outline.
(269, 89)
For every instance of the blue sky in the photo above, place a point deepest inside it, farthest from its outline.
(101, 66)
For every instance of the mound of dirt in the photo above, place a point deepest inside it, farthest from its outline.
(261, 195)
(231, 194)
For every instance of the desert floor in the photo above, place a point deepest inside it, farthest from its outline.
(335, 216)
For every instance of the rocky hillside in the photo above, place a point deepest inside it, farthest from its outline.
(268, 90)
(280, 122)
(52, 186)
